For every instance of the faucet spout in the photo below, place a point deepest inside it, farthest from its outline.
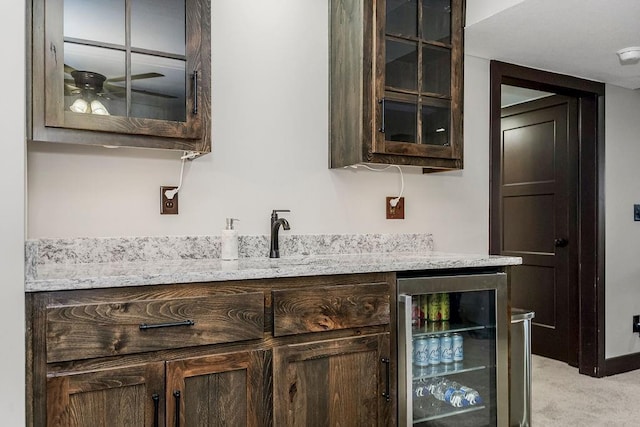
(274, 250)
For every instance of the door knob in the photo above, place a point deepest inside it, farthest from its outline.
(561, 243)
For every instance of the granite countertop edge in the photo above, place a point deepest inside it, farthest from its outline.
(62, 277)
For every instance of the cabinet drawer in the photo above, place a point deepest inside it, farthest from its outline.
(83, 331)
(297, 311)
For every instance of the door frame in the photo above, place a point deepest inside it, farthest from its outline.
(590, 204)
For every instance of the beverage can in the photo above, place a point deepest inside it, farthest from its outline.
(445, 307)
(433, 346)
(446, 349)
(458, 349)
(434, 308)
(415, 311)
(424, 308)
(421, 351)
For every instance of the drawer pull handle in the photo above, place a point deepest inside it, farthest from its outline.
(144, 326)
(156, 407)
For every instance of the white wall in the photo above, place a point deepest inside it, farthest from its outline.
(479, 10)
(12, 179)
(270, 151)
(622, 191)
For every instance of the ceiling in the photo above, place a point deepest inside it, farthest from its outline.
(574, 37)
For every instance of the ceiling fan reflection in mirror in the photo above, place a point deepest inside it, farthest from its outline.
(90, 85)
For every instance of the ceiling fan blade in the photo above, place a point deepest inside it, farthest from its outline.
(120, 91)
(68, 69)
(70, 89)
(136, 77)
(114, 90)
(148, 92)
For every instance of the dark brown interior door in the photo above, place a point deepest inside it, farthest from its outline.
(538, 219)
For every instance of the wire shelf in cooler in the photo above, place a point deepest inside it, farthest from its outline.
(442, 411)
(427, 330)
(432, 371)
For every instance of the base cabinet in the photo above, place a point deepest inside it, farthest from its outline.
(219, 390)
(230, 389)
(331, 383)
(126, 396)
(308, 351)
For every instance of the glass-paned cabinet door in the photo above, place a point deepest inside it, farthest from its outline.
(124, 66)
(420, 70)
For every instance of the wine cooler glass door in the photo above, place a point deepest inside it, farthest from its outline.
(452, 350)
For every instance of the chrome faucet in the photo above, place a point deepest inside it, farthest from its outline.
(274, 251)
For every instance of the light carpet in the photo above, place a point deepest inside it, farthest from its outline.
(560, 396)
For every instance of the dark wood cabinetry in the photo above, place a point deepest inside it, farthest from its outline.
(121, 73)
(285, 352)
(230, 389)
(396, 82)
(122, 396)
(333, 382)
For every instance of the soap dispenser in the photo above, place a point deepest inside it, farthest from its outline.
(229, 241)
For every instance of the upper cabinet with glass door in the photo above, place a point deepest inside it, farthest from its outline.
(122, 73)
(396, 82)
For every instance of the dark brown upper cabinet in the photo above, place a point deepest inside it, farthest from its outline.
(121, 73)
(396, 82)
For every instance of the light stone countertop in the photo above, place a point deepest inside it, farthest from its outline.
(54, 277)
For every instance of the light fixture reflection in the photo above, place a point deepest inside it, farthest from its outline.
(89, 85)
(82, 106)
(79, 106)
(98, 108)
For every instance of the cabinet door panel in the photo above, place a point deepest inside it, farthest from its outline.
(330, 383)
(112, 397)
(231, 389)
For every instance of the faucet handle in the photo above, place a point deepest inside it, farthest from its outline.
(274, 213)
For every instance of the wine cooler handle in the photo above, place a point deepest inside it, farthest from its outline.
(387, 393)
(405, 356)
(156, 407)
(176, 394)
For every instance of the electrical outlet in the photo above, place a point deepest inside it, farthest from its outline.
(168, 206)
(636, 323)
(636, 212)
(396, 212)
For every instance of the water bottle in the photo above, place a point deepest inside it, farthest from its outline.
(421, 391)
(471, 395)
(447, 391)
(422, 404)
(432, 384)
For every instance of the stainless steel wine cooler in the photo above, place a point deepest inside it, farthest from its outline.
(453, 350)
